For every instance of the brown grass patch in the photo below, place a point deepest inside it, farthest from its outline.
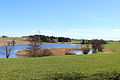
(54, 51)
(69, 53)
(18, 42)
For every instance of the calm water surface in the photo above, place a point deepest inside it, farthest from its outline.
(23, 47)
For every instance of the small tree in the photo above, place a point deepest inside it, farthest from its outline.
(98, 45)
(34, 46)
(8, 48)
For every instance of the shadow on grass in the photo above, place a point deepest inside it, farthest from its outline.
(79, 76)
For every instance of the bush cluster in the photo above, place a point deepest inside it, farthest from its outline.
(42, 52)
(86, 50)
(69, 53)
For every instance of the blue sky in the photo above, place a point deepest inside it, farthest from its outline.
(87, 19)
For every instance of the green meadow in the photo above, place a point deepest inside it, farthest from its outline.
(101, 66)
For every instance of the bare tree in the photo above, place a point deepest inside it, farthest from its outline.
(8, 48)
(34, 46)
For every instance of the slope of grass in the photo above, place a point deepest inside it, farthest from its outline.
(39, 68)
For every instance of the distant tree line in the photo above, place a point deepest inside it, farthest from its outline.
(51, 39)
(93, 41)
(4, 36)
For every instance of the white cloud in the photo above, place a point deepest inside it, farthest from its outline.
(96, 33)
(116, 30)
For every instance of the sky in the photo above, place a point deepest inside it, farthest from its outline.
(78, 19)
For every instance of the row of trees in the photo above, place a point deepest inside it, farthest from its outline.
(50, 38)
(93, 41)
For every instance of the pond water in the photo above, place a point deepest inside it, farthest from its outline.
(23, 47)
(81, 52)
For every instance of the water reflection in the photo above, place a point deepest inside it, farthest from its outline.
(81, 52)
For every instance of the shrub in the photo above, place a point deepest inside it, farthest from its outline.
(97, 44)
(45, 52)
(34, 46)
(69, 53)
(85, 50)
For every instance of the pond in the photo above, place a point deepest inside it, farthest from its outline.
(23, 47)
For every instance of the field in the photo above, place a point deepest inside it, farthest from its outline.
(99, 66)
(40, 68)
(23, 41)
(112, 47)
(19, 41)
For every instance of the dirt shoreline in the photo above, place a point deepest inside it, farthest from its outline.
(55, 51)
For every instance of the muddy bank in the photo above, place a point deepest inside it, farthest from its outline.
(54, 51)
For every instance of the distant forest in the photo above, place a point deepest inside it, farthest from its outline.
(51, 39)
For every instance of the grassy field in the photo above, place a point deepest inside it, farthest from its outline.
(39, 68)
(112, 47)
(101, 66)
